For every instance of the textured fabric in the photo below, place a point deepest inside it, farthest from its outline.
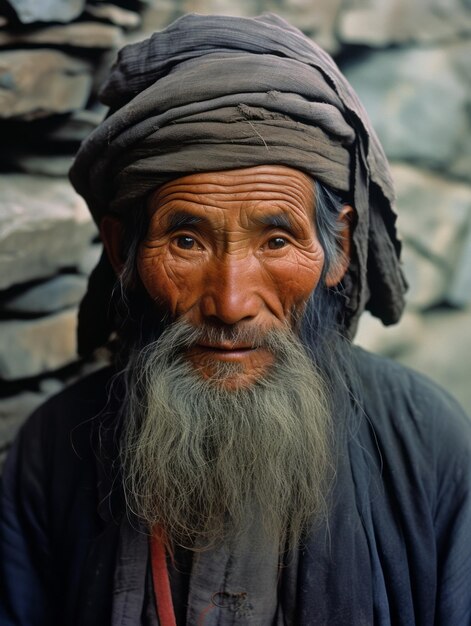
(396, 550)
(215, 93)
(236, 586)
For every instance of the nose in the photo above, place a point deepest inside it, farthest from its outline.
(231, 293)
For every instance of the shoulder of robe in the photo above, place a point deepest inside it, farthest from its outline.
(65, 422)
(397, 393)
(390, 385)
(406, 408)
(418, 434)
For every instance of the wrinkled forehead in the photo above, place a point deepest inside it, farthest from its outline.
(275, 183)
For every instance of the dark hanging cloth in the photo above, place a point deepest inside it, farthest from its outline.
(215, 93)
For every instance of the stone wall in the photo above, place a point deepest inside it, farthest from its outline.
(409, 62)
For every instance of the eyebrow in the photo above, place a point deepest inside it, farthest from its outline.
(277, 220)
(180, 219)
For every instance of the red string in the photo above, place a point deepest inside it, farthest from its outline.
(162, 591)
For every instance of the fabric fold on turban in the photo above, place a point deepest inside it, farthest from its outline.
(211, 93)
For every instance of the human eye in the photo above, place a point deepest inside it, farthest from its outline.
(185, 242)
(276, 243)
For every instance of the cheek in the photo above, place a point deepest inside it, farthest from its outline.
(166, 282)
(296, 277)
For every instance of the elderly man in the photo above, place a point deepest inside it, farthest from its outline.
(240, 462)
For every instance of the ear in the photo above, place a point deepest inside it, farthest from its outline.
(337, 271)
(112, 234)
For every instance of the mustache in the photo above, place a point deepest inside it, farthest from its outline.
(180, 336)
(232, 336)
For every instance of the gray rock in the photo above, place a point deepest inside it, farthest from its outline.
(114, 14)
(428, 281)
(44, 226)
(444, 352)
(37, 83)
(389, 340)
(78, 126)
(319, 22)
(218, 7)
(461, 164)
(459, 291)
(379, 23)
(58, 293)
(33, 347)
(51, 386)
(79, 35)
(157, 16)
(42, 164)
(460, 55)
(90, 259)
(434, 219)
(417, 103)
(29, 11)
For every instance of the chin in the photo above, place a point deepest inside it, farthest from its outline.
(231, 376)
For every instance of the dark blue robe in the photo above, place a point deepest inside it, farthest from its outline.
(396, 550)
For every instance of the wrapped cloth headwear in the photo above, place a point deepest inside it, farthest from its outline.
(213, 93)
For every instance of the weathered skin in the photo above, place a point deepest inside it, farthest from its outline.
(233, 248)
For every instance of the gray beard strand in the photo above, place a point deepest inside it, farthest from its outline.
(197, 457)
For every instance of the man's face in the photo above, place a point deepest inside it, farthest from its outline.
(233, 250)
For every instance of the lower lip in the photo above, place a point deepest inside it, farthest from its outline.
(228, 355)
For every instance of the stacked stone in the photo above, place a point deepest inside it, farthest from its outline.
(53, 55)
(409, 62)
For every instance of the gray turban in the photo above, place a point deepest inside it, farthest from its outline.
(210, 93)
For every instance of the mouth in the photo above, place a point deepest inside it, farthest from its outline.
(226, 350)
(249, 360)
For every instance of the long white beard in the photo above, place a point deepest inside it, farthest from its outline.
(198, 457)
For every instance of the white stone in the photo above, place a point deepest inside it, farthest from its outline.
(459, 291)
(461, 165)
(318, 22)
(90, 259)
(417, 102)
(158, 16)
(33, 347)
(58, 293)
(29, 11)
(380, 22)
(444, 352)
(427, 280)
(243, 8)
(50, 386)
(114, 14)
(391, 341)
(434, 219)
(36, 83)
(42, 164)
(44, 226)
(460, 55)
(78, 34)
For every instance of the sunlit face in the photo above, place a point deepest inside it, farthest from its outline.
(234, 249)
